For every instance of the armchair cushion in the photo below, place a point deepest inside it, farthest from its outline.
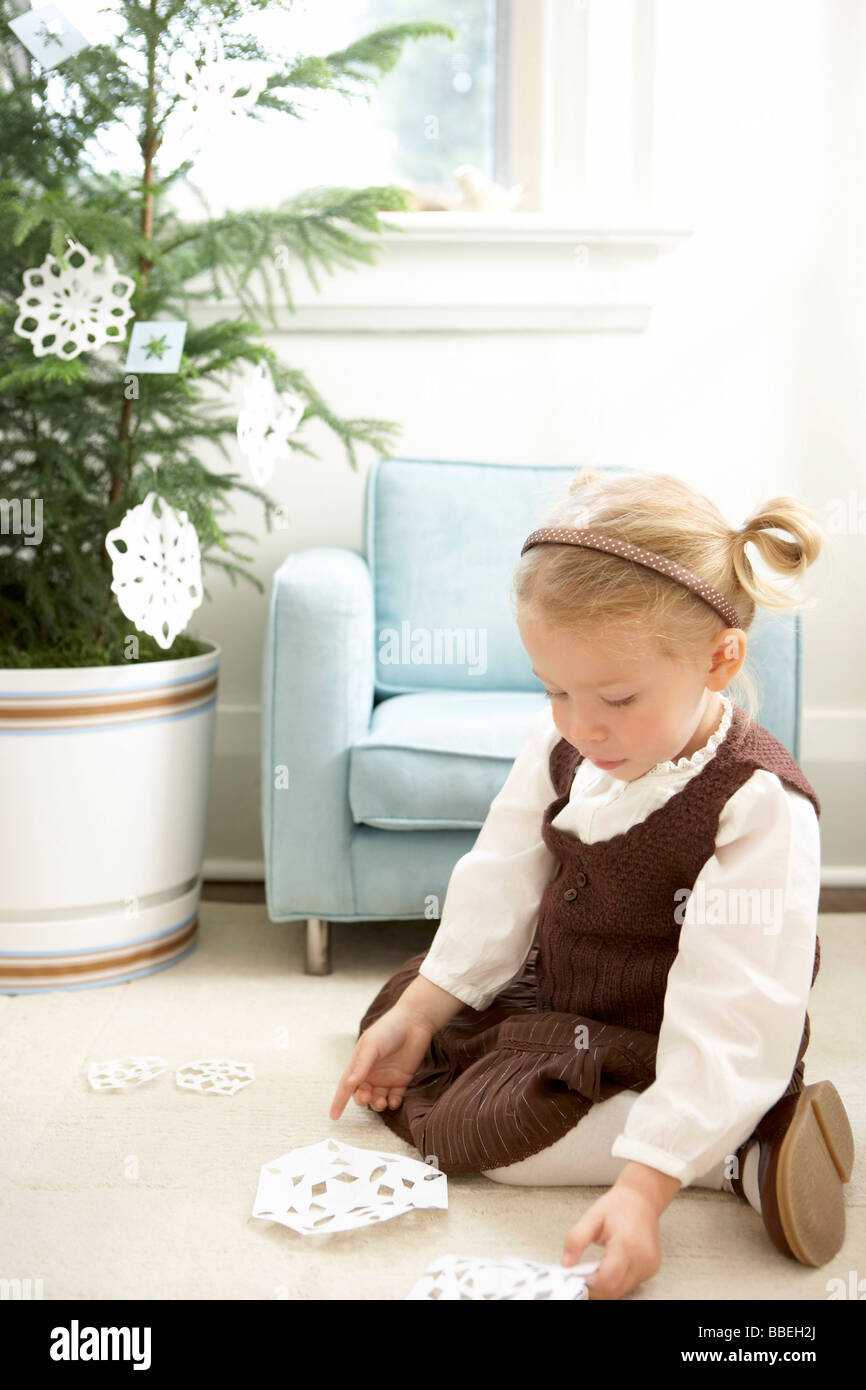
(436, 760)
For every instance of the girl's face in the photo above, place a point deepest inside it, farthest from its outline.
(626, 707)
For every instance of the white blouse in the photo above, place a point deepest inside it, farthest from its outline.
(736, 995)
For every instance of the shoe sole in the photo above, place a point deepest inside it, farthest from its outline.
(805, 1176)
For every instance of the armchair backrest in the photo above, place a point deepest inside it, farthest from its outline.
(442, 539)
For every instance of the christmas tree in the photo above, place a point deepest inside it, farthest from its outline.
(85, 438)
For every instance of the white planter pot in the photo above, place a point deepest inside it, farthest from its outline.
(104, 784)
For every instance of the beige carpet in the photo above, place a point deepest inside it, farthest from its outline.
(147, 1194)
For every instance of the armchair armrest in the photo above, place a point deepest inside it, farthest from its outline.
(317, 701)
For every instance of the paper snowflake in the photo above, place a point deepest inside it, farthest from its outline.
(214, 1076)
(74, 307)
(213, 93)
(123, 1073)
(467, 1277)
(331, 1187)
(266, 420)
(157, 574)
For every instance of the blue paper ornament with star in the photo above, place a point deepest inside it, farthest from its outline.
(156, 346)
(49, 35)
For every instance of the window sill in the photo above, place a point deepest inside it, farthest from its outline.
(526, 227)
(485, 272)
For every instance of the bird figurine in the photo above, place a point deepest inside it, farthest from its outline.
(481, 194)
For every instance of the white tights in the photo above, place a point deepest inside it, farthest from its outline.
(582, 1157)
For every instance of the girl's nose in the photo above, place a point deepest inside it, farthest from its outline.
(584, 734)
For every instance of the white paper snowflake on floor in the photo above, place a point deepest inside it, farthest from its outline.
(331, 1187)
(157, 574)
(123, 1073)
(467, 1277)
(214, 1076)
(266, 420)
(212, 93)
(80, 306)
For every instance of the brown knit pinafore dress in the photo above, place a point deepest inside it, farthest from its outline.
(504, 1082)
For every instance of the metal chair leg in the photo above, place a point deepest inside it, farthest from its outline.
(318, 959)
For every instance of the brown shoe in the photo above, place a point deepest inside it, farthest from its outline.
(806, 1154)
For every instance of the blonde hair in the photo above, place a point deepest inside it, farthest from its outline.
(586, 591)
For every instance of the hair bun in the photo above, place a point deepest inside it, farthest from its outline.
(582, 479)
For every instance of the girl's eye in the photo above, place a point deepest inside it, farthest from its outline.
(557, 694)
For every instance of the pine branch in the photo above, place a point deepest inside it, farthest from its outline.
(376, 54)
(307, 225)
(364, 62)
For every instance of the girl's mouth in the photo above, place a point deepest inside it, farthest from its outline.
(606, 767)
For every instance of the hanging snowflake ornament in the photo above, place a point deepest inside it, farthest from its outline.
(74, 307)
(215, 93)
(266, 420)
(157, 573)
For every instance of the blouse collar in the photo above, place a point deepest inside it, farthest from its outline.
(702, 755)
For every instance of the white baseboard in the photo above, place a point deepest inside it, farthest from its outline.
(234, 870)
(843, 876)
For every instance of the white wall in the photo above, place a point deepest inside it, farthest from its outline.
(748, 382)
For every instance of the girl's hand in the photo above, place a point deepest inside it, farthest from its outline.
(627, 1223)
(386, 1057)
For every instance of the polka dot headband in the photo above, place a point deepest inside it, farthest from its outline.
(594, 540)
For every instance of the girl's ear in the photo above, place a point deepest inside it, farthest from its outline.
(728, 655)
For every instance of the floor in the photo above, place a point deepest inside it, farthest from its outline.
(148, 1193)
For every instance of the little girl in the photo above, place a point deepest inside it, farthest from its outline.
(617, 991)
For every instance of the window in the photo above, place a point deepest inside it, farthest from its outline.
(433, 112)
(556, 95)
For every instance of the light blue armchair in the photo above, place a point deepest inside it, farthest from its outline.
(396, 693)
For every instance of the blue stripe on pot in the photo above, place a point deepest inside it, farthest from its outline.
(119, 724)
(75, 710)
(97, 984)
(102, 690)
(100, 967)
